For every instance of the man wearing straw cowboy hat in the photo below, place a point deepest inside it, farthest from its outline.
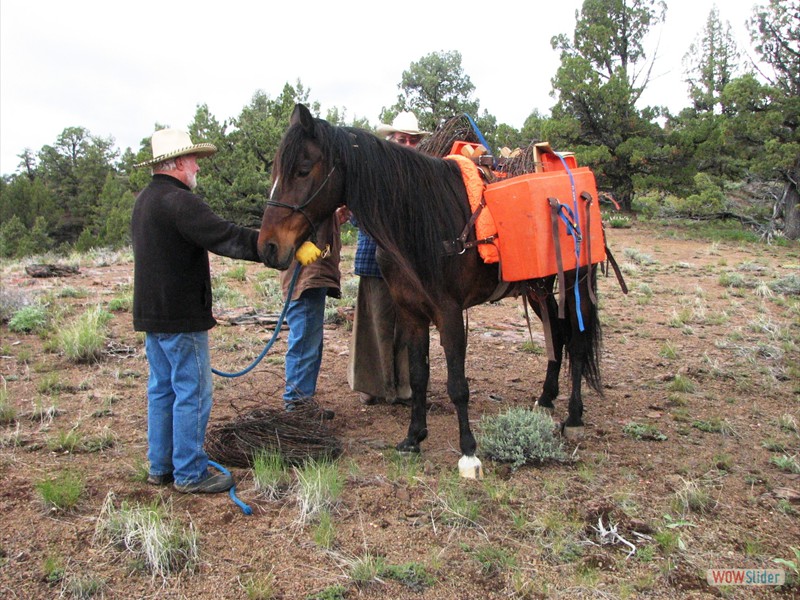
(173, 230)
(378, 364)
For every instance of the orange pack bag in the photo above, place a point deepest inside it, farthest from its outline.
(521, 209)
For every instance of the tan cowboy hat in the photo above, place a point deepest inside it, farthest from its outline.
(169, 143)
(405, 122)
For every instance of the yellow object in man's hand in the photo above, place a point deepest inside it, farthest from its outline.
(307, 253)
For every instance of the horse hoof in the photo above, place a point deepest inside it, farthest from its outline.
(574, 433)
(407, 447)
(548, 409)
(469, 467)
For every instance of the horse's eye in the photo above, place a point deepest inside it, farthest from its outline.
(304, 169)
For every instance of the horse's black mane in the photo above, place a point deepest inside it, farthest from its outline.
(407, 201)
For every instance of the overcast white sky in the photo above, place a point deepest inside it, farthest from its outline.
(118, 68)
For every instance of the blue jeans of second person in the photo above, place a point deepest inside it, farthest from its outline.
(305, 317)
(178, 404)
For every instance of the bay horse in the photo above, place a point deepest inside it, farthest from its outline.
(410, 203)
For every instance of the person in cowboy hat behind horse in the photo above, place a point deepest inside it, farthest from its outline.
(378, 363)
(173, 231)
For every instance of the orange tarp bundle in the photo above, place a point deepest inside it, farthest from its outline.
(484, 225)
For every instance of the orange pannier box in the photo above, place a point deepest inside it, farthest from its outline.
(521, 211)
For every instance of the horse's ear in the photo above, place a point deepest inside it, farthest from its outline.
(302, 116)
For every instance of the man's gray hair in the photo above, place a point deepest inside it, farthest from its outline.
(164, 165)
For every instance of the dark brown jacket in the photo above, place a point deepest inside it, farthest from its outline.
(173, 230)
(323, 272)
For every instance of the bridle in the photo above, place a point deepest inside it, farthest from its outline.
(299, 208)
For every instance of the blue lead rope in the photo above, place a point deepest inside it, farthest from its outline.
(232, 492)
(274, 334)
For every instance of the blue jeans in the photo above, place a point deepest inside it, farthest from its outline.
(178, 404)
(305, 317)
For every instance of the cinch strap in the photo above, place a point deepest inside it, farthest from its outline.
(461, 244)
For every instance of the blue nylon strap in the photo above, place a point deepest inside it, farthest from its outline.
(577, 240)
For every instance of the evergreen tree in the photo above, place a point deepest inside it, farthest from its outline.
(603, 72)
(434, 88)
(763, 133)
(112, 219)
(710, 65)
(74, 170)
(236, 181)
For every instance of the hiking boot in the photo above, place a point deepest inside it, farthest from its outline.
(311, 408)
(211, 484)
(369, 399)
(164, 479)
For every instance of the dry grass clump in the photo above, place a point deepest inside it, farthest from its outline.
(296, 436)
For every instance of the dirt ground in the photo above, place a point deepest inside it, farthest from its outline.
(702, 350)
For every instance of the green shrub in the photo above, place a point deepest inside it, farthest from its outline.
(643, 431)
(616, 221)
(412, 575)
(520, 436)
(709, 198)
(29, 319)
(123, 303)
(349, 234)
(336, 592)
(648, 206)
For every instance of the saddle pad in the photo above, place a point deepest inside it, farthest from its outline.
(484, 225)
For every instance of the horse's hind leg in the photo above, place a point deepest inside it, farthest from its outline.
(550, 388)
(573, 426)
(583, 347)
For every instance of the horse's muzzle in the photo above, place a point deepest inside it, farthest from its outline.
(270, 255)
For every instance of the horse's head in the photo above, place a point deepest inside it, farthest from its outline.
(307, 189)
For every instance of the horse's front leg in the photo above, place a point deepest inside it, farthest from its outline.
(418, 340)
(454, 342)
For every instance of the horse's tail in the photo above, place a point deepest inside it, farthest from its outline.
(594, 334)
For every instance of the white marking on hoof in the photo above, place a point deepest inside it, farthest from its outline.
(470, 467)
(548, 409)
(574, 433)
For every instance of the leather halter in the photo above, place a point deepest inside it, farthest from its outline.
(299, 208)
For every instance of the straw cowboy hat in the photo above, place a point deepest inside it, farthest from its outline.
(405, 122)
(170, 143)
